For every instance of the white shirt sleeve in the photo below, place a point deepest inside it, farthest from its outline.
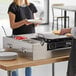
(73, 31)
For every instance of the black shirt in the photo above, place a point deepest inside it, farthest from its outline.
(23, 13)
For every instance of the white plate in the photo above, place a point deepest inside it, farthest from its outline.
(8, 55)
(34, 20)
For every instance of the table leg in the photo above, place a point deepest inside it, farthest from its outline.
(53, 71)
(9, 73)
(65, 18)
(75, 19)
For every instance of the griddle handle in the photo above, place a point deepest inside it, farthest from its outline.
(42, 42)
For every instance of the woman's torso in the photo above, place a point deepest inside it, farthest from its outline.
(21, 13)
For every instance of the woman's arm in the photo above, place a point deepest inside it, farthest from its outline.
(14, 24)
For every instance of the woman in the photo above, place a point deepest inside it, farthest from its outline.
(19, 11)
(72, 60)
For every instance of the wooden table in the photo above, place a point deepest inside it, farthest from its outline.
(67, 8)
(20, 62)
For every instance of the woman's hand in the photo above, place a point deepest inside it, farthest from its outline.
(27, 23)
(36, 24)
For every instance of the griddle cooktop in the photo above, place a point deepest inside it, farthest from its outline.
(55, 42)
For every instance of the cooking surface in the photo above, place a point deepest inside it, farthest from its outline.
(46, 35)
(52, 36)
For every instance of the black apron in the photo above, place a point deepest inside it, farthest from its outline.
(72, 60)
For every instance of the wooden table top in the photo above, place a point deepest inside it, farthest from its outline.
(20, 62)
